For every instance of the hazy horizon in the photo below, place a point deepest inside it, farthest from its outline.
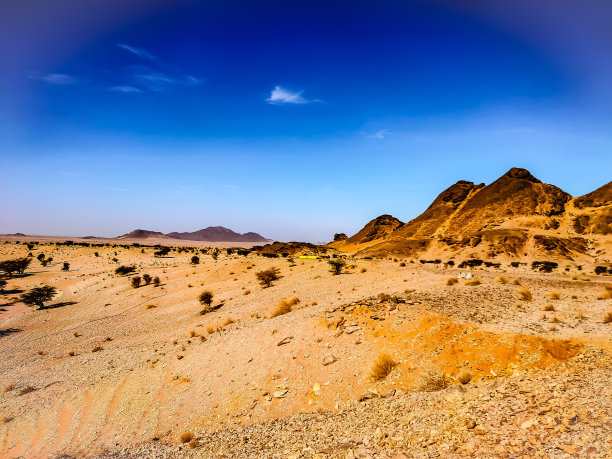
(295, 121)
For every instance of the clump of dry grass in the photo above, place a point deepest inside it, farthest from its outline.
(608, 318)
(549, 307)
(607, 294)
(554, 295)
(502, 280)
(27, 390)
(186, 437)
(383, 365)
(516, 282)
(554, 320)
(9, 387)
(363, 270)
(71, 353)
(525, 294)
(228, 321)
(451, 281)
(193, 334)
(246, 292)
(473, 282)
(464, 376)
(193, 443)
(284, 307)
(151, 306)
(76, 334)
(433, 381)
(210, 330)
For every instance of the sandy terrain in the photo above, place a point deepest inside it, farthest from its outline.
(146, 368)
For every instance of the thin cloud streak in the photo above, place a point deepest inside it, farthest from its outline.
(59, 79)
(125, 89)
(379, 134)
(138, 52)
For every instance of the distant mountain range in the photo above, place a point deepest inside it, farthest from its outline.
(210, 234)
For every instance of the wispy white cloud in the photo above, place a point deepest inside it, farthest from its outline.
(280, 96)
(157, 81)
(381, 134)
(138, 52)
(60, 79)
(125, 89)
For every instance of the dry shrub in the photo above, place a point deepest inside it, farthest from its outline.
(283, 307)
(210, 330)
(608, 318)
(525, 294)
(363, 270)
(151, 306)
(451, 281)
(193, 334)
(502, 280)
(9, 387)
(383, 365)
(27, 390)
(554, 296)
(555, 320)
(473, 282)
(464, 376)
(402, 264)
(549, 307)
(246, 292)
(516, 282)
(186, 437)
(228, 321)
(433, 381)
(71, 353)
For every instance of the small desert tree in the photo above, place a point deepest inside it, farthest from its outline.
(38, 296)
(206, 298)
(2, 284)
(215, 254)
(146, 278)
(136, 281)
(66, 266)
(337, 265)
(156, 281)
(267, 277)
(195, 260)
(121, 270)
(18, 265)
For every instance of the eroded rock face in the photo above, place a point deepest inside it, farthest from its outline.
(378, 228)
(505, 214)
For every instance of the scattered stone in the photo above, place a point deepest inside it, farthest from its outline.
(329, 359)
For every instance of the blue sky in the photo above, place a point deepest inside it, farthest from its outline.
(293, 119)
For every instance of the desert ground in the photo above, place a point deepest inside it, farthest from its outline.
(508, 363)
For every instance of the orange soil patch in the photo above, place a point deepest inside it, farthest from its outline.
(435, 343)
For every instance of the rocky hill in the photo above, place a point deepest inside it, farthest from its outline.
(516, 216)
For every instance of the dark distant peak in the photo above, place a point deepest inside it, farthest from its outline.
(521, 174)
